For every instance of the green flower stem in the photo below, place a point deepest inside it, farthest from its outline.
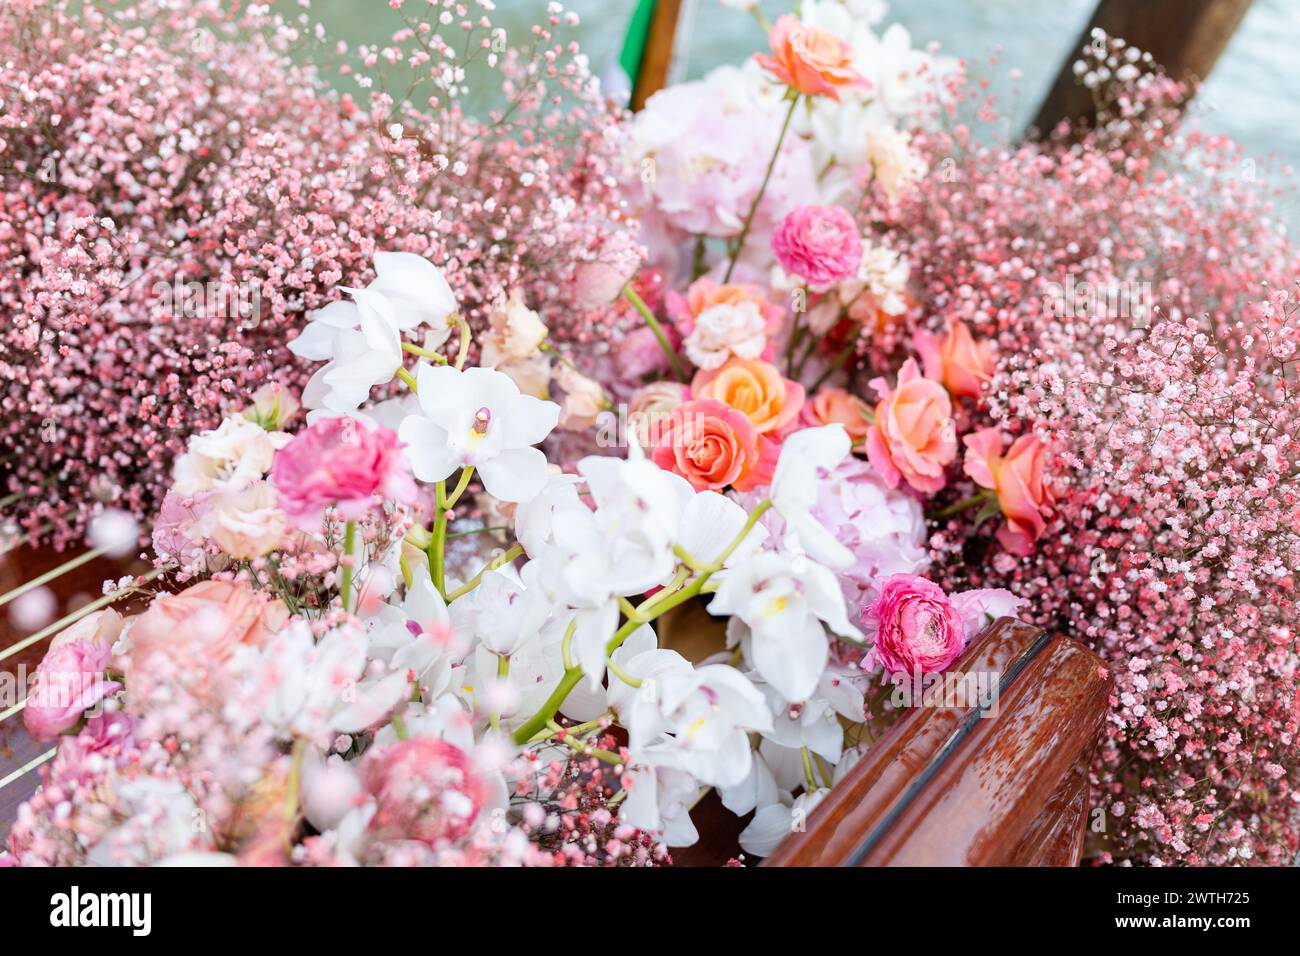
(651, 608)
(673, 358)
(960, 506)
(463, 354)
(437, 549)
(349, 543)
(845, 354)
(435, 357)
(575, 729)
(407, 378)
(503, 671)
(492, 565)
(758, 197)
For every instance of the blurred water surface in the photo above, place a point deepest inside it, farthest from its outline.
(1250, 96)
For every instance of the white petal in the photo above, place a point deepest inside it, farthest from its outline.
(530, 419)
(791, 655)
(374, 700)
(426, 449)
(826, 599)
(516, 474)
(416, 287)
(709, 523)
(315, 342)
(595, 627)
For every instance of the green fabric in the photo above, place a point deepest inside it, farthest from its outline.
(638, 33)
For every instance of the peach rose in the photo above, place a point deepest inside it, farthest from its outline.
(812, 60)
(956, 359)
(650, 407)
(100, 629)
(755, 388)
(247, 524)
(584, 399)
(912, 437)
(713, 446)
(184, 633)
(1017, 478)
(831, 405)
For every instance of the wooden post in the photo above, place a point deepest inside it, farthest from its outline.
(658, 56)
(1184, 36)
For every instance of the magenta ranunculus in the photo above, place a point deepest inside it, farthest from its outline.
(820, 244)
(69, 681)
(917, 628)
(344, 463)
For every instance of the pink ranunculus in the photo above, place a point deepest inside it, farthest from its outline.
(917, 629)
(913, 436)
(713, 446)
(340, 462)
(956, 359)
(1017, 478)
(424, 789)
(70, 678)
(819, 244)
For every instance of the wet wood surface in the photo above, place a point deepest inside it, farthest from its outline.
(1011, 791)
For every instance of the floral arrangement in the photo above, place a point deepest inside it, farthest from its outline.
(815, 358)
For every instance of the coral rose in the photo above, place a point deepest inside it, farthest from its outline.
(912, 437)
(831, 405)
(713, 446)
(812, 60)
(755, 388)
(340, 462)
(1017, 479)
(918, 631)
(956, 359)
(819, 244)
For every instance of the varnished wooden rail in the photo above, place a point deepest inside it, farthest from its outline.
(947, 786)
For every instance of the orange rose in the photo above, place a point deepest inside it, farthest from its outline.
(912, 437)
(713, 446)
(957, 360)
(1017, 478)
(812, 60)
(833, 405)
(755, 388)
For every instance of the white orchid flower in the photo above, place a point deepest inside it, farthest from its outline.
(477, 417)
(709, 712)
(807, 457)
(784, 599)
(506, 610)
(659, 800)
